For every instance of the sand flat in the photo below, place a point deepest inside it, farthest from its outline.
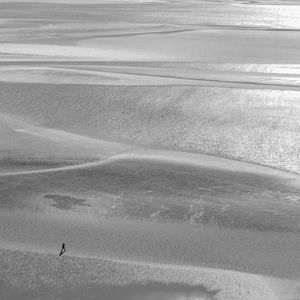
(159, 140)
(282, 77)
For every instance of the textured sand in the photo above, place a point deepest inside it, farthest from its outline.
(159, 140)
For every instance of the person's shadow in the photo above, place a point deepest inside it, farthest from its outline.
(63, 249)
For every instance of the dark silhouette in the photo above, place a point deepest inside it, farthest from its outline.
(63, 249)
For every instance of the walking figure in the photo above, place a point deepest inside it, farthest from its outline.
(63, 249)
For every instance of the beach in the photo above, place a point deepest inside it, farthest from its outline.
(159, 140)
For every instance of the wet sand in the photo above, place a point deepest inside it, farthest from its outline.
(159, 140)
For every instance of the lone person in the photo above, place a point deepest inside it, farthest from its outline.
(63, 249)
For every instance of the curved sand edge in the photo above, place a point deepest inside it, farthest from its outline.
(184, 158)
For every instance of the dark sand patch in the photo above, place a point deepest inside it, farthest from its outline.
(151, 290)
(66, 202)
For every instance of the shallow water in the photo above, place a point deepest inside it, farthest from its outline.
(259, 126)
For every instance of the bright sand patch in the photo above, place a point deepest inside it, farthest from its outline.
(210, 46)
